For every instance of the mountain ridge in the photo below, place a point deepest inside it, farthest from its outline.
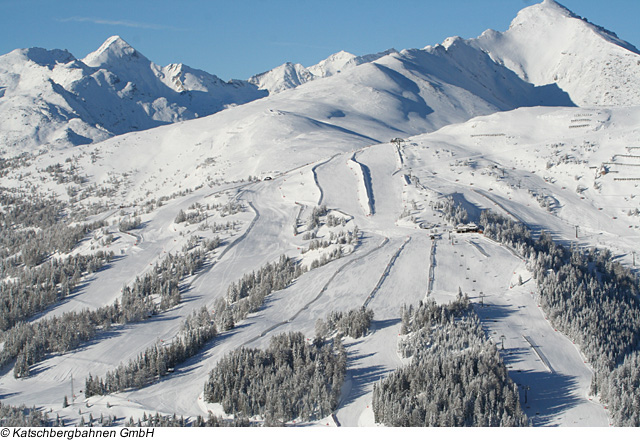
(358, 176)
(47, 94)
(547, 43)
(290, 75)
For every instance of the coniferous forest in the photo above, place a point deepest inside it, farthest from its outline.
(197, 330)
(590, 298)
(29, 343)
(21, 416)
(291, 379)
(354, 323)
(456, 376)
(158, 360)
(181, 250)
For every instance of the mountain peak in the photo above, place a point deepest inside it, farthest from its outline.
(116, 42)
(554, 5)
(548, 10)
(552, 13)
(450, 41)
(343, 54)
(547, 43)
(114, 48)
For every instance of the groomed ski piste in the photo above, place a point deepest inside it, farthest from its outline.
(389, 267)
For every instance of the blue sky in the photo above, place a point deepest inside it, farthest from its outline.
(238, 39)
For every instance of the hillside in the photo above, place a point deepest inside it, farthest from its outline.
(473, 162)
(399, 95)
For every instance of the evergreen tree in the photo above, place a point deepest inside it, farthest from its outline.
(455, 378)
(292, 378)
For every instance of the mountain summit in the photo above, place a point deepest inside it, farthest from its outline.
(546, 43)
(290, 75)
(50, 97)
(113, 51)
(140, 263)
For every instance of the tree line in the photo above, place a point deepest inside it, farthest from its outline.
(592, 299)
(247, 294)
(29, 343)
(354, 323)
(178, 422)
(198, 330)
(35, 289)
(33, 229)
(158, 360)
(32, 277)
(19, 416)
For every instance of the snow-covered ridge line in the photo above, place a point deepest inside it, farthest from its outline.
(546, 43)
(294, 147)
(50, 97)
(116, 89)
(614, 37)
(290, 75)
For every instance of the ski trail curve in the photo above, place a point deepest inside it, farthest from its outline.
(315, 176)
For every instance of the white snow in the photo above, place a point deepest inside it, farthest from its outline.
(290, 75)
(548, 44)
(50, 98)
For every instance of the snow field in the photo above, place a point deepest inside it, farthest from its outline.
(436, 165)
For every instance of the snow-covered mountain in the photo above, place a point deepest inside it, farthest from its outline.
(482, 124)
(399, 95)
(546, 44)
(50, 97)
(290, 75)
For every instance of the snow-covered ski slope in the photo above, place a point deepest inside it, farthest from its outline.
(491, 162)
(476, 134)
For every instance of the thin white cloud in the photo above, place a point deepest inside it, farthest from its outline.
(126, 23)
